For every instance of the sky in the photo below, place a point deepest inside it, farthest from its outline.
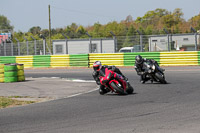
(25, 14)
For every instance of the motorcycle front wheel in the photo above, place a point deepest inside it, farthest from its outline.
(130, 89)
(160, 77)
(117, 88)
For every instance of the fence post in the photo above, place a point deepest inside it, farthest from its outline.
(168, 42)
(195, 41)
(141, 42)
(90, 40)
(0, 46)
(4, 46)
(66, 43)
(11, 47)
(150, 44)
(18, 45)
(44, 46)
(35, 51)
(171, 42)
(27, 48)
(101, 46)
(115, 41)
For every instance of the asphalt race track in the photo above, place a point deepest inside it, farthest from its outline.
(153, 108)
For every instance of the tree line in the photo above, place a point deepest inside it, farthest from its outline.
(153, 22)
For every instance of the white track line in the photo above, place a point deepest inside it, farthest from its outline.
(78, 94)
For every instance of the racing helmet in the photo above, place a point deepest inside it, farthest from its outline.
(97, 66)
(138, 59)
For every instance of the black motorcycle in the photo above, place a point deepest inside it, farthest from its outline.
(154, 72)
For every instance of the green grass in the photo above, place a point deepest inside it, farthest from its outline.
(9, 102)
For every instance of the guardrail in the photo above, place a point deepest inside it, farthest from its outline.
(79, 60)
(179, 58)
(118, 59)
(107, 59)
(129, 58)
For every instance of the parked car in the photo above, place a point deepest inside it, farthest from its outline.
(135, 48)
(126, 49)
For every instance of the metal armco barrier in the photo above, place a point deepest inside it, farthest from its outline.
(181, 58)
(41, 61)
(178, 58)
(7, 59)
(129, 58)
(26, 60)
(80, 60)
(107, 59)
(59, 60)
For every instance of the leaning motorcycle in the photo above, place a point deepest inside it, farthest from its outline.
(115, 82)
(154, 72)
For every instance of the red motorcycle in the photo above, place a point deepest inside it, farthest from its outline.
(115, 82)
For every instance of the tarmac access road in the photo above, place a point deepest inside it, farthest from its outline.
(153, 108)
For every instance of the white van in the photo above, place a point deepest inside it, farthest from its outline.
(126, 49)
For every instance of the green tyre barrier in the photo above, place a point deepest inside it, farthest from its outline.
(20, 73)
(10, 74)
(21, 78)
(10, 79)
(10, 67)
(1, 79)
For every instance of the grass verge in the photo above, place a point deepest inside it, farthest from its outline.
(9, 102)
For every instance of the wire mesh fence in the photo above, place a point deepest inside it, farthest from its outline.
(36, 47)
(139, 43)
(151, 43)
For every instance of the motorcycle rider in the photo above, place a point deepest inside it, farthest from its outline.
(139, 62)
(97, 66)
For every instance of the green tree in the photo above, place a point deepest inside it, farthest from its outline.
(168, 20)
(130, 37)
(5, 23)
(35, 30)
(45, 33)
(71, 30)
(97, 30)
(80, 31)
(149, 30)
(57, 36)
(177, 14)
(195, 22)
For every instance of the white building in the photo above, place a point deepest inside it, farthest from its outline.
(184, 42)
(83, 46)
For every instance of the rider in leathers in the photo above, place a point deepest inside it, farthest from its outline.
(139, 62)
(97, 67)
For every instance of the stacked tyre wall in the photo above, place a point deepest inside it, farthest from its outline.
(1, 73)
(11, 73)
(118, 59)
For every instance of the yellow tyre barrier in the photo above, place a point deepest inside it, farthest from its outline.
(20, 66)
(20, 73)
(21, 78)
(1, 70)
(1, 75)
(1, 66)
(1, 79)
